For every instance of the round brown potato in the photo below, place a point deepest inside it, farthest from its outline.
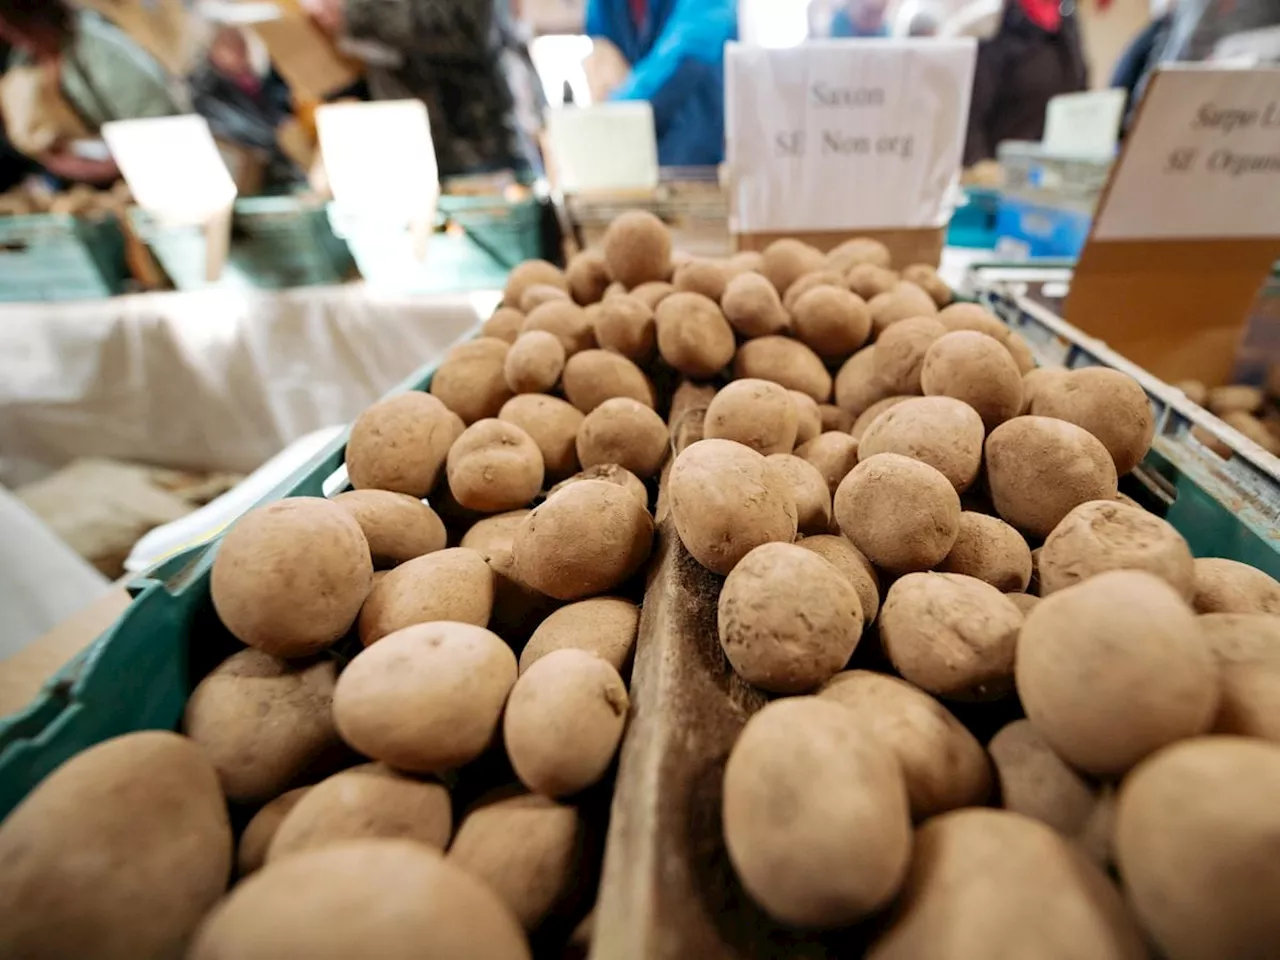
(1026, 602)
(973, 316)
(400, 444)
(951, 635)
(1228, 586)
(263, 722)
(1109, 404)
(809, 490)
(868, 280)
(1247, 649)
(990, 550)
(1235, 399)
(902, 514)
(989, 883)
(1021, 352)
(857, 384)
(503, 324)
(594, 376)
(472, 381)
(532, 273)
(653, 293)
(808, 417)
(831, 321)
(904, 301)
(726, 500)
(637, 248)
(117, 854)
(693, 335)
(610, 473)
(494, 466)
(390, 899)
(517, 607)
(1195, 829)
(538, 294)
(534, 363)
(1106, 535)
(834, 420)
(945, 433)
(251, 852)
(815, 815)
(785, 361)
(857, 569)
(788, 620)
(753, 307)
(427, 698)
(944, 765)
(1035, 782)
(976, 369)
(552, 424)
(453, 584)
(564, 721)
(364, 802)
(757, 413)
(290, 576)
(626, 325)
(869, 416)
(1034, 380)
(398, 527)
(1040, 469)
(585, 540)
(860, 250)
(707, 277)
(588, 276)
(1113, 669)
(786, 261)
(605, 626)
(925, 276)
(527, 849)
(564, 319)
(811, 281)
(625, 432)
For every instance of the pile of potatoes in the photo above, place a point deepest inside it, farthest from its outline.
(1253, 411)
(1010, 713)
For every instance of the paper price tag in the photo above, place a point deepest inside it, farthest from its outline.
(611, 146)
(1084, 124)
(172, 166)
(380, 158)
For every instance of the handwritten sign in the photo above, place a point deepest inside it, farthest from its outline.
(846, 133)
(1203, 160)
(172, 166)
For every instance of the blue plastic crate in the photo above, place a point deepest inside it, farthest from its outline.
(51, 256)
(975, 221)
(1028, 229)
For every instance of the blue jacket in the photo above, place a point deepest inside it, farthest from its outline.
(677, 64)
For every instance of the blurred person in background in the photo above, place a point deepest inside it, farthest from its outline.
(860, 19)
(1139, 57)
(1034, 56)
(672, 55)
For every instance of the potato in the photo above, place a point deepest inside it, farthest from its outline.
(1035, 782)
(398, 527)
(951, 635)
(538, 294)
(1033, 381)
(552, 424)
(495, 466)
(564, 319)
(1242, 638)
(400, 444)
(857, 569)
(534, 363)
(834, 420)
(1195, 829)
(902, 514)
(653, 293)
(625, 432)
(857, 384)
(1026, 602)
(726, 500)
(1039, 470)
(263, 722)
(251, 852)
(116, 854)
(1023, 356)
(786, 362)
(290, 576)
(788, 620)
(362, 803)
(753, 307)
(693, 335)
(626, 325)
(870, 415)
(988, 883)
(1196, 391)
(585, 540)
(808, 416)
(944, 765)
(925, 276)
(594, 376)
(1254, 430)
(472, 381)
(609, 473)
(787, 260)
(940, 431)
(527, 849)
(604, 626)
(707, 277)
(757, 413)
(1113, 669)
(831, 321)
(451, 584)
(1247, 649)
(815, 815)
(588, 276)
(1235, 399)
(503, 324)
(390, 899)
(858, 251)
(517, 607)
(973, 316)
(1106, 535)
(904, 301)
(564, 722)
(811, 281)
(1109, 404)
(868, 280)
(1227, 586)
(809, 490)
(425, 699)
(990, 550)
(974, 368)
(637, 248)
(531, 273)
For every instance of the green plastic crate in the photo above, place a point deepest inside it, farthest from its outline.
(53, 256)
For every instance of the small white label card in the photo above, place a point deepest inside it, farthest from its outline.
(846, 134)
(1202, 161)
(172, 166)
(380, 158)
(611, 146)
(1084, 124)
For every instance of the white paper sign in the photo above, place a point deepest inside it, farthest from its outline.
(380, 158)
(172, 166)
(1084, 124)
(611, 146)
(846, 134)
(1203, 160)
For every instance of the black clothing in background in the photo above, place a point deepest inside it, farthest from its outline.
(1136, 62)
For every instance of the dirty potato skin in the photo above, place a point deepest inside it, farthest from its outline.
(398, 527)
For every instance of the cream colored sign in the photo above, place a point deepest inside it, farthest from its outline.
(380, 157)
(172, 167)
